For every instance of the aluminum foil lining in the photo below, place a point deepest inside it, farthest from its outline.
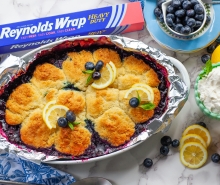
(178, 93)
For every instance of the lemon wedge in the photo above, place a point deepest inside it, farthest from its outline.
(53, 114)
(147, 87)
(107, 77)
(193, 155)
(144, 94)
(200, 131)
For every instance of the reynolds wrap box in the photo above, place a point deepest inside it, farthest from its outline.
(30, 34)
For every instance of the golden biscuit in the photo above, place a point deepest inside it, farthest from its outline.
(106, 55)
(126, 81)
(135, 66)
(115, 126)
(73, 142)
(152, 78)
(98, 101)
(75, 101)
(51, 94)
(24, 98)
(48, 76)
(14, 118)
(73, 67)
(34, 132)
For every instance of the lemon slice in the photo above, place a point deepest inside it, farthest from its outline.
(200, 131)
(143, 93)
(114, 70)
(193, 155)
(192, 138)
(53, 114)
(147, 87)
(107, 76)
(46, 107)
(215, 58)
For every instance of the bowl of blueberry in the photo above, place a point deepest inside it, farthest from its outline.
(183, 18)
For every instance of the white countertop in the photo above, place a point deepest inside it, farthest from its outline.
(127, 168)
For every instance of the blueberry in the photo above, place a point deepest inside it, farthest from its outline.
(164, 150)
(198, 9)
(159, 3)
(170, 9)
(176, 3)
(178, 20)
(170, 15)
(70, 116)
(166, 140)
(62, 122)
(175, 143)
(186, 30)
(211, 48)
(89, 66)
(134, 102)
(199, 17)
(169, 21)
(96, 75)
(194, 2)
(208, 19)
(161, 19)
(185, 19)
(180, 13)
(187, 5)
(190, 13)
(148, 162)
(198, 24)
(99, 65)
(205, 58)
(215, 157)
(178, 27)
(201, 124)
(218, 40)
(191, 22)
(157, 12)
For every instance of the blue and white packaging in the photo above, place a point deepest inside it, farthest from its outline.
(101, 21)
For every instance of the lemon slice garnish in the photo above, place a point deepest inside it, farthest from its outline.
(53, 114)
(114, 70)
(107, 76)
(147, 87)
(192, 138)
(193, 155)
(144, 94)
(47, 106)
(200, 131)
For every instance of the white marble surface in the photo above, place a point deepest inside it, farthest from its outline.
(127, 168)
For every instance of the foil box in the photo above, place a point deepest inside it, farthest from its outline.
(109, 20)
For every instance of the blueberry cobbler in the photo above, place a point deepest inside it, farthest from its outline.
(83, 98)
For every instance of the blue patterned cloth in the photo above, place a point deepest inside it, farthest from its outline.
(14, 168)
(142, 2)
